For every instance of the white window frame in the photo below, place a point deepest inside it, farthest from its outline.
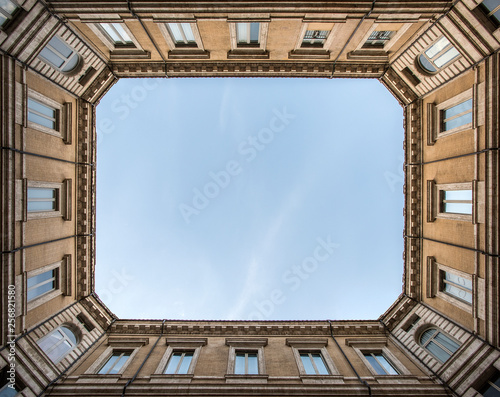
(63, 200)
(450, 46)
(434, 201)
(63, 117)
(75, 332)
(74, 54)
(312, 345)
(175, 345)
(237, 345)
(117, 344)
(109, 42)
(248, 50)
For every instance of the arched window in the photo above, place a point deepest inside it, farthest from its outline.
(58, 343)
(437, 55)
(440, 345)
(60, 56)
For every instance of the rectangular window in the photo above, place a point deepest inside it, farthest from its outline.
(456, 286)
(7, 10)
(492, 9)
(492, 386)
(117, 34)
(182, 34)
(456, 202)
(247, 34)
(457, 116)
(315, 38)
(179, 363)
(378, 38)
(41, 284)
(115, 363)
(313, 363)
(42, 114)
(42, 199)
(380, 364)
(246, 363)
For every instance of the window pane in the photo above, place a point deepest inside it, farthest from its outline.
(424, 62)
(41, 108)
(389, 369)
(176, 32)
(108, 28)
(253, 365)
(69, 334)
(2, 19)
(173, 363)
(40, 290)
(37, 119)
(51, 57)
(306, 362)
(375, 365)
(320, 364)
(120, 363)
(239, 364)
(446, 57)
(40, 278)
(254, 32)
(242, 32)
(186, 362)
(427, 335)
(188, 32)
(39, 206)
(8, 6)
(438, 352)
(109, 364)
(437, 47)
(466, 283)
(459, 293)
(458, 195)
(458, 208)
(71, 64)
(8, 391)
(41, 193)
(458, 121)
(446, 342)
(491, 4)
(457, 109)
(59, 351)
(60, 47)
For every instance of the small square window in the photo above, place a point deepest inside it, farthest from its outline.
(115, 363)
(179, 362)
(313, 363)
(8, 9)
(117, 34)
(380, 364)
(246, 363)
(247, 34)
(314, 38)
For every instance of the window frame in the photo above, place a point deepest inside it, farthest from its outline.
(73, 329)
(438, 331)
(117, 344)
(175, 345)
(312, 51)
(450, 46)
(63, 200)
(119, 353)
(66, 60)
(112, 43)
(300, 345)
(435, 201)
(251, 51)
(176, 51)
(244, 345)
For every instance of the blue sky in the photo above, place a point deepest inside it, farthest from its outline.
(275, 199)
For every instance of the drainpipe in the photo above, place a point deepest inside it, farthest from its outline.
(352, 367)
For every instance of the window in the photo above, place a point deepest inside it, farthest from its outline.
(457, 116)
(247, 34)
(179, 362)
(42, 114)
(492, 9)
(8, 8)
(438, 344)
(42, 283)
(438, 55)
(313, 363)
(60, 56)
(378, 39)
(182, 34)
(58, 343)
(117, 34)
(115, 363)
(380, 364)
(491, 388)
(42, 199)
(314, 38)
(246, 363)
(456, 202)
(457, 286)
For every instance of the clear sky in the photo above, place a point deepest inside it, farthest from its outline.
(276, 199)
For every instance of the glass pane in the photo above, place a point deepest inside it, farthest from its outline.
(242, 32)
(71, 64)
(466, 283)
(491, 4)
(176, 32)
(37, 119)
(2, 19)
(59, 351)
(489, 392)
(306, 362)
(438, 352)
(173, 363)
(458, 195)
(320, 364)
(69, 334)
(496, 16)
(446, 342)
(458, 121)
(239, 364)
(41, 108)
(8, 391)
(39, 206)
(459, 293)
(41, 193)
(124, 35)
(389, 369)
(446, 57)
(40, 290)
(458, 208)
(457, 109)
(188, 32)
(8, 6)
(437, 47)
(375, 365)
(253, 365)
(51, 57)
(39, 278)
(108, 28)
(61, 47)
(254, 32)
(186, 362)
(120, 363)
(424, 62)
(427, 335)
(109, 364)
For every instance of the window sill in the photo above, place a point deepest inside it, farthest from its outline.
(233, 378)
(368, 55)
(256, 53)
(188, 54)
(309, 54)
(322, 379)
(129, 54)
(171, 378)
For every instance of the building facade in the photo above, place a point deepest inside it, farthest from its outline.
(438, 58)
